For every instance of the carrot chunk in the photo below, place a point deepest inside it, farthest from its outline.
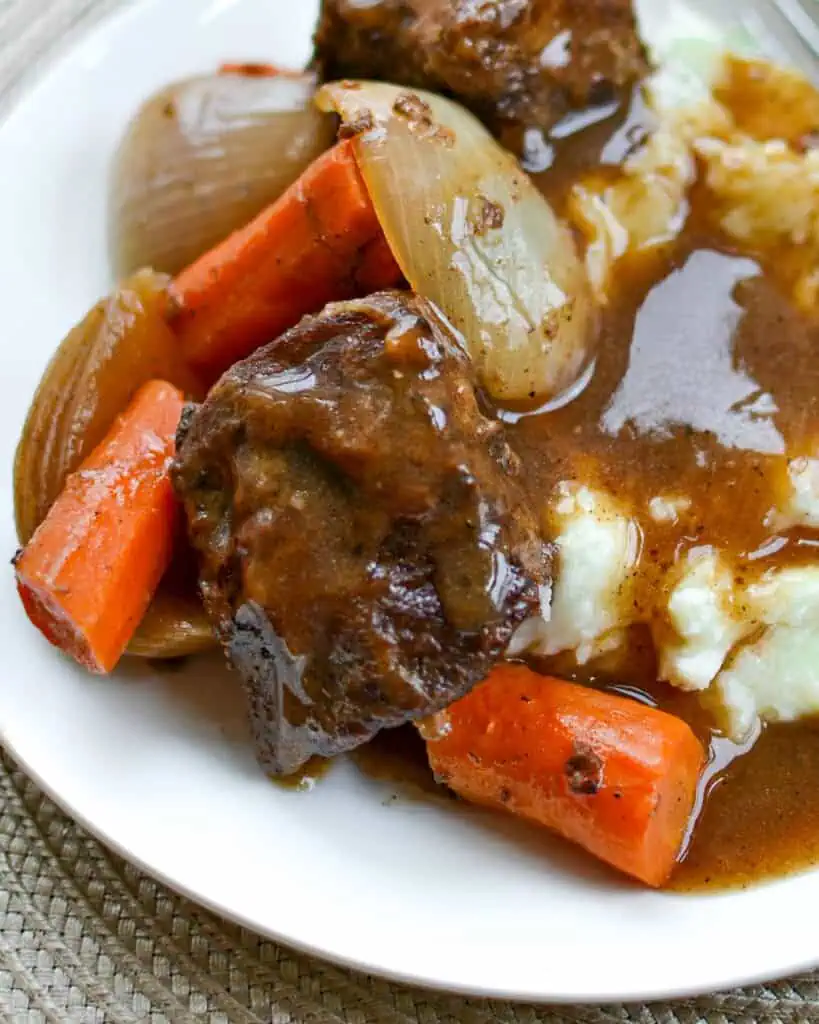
(319, 242)
(88, 574)
(606, 772)
(256, 70)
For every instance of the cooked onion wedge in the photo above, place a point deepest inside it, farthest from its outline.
(472, 233)
(202, 157)
(175, 626)
(123, 342)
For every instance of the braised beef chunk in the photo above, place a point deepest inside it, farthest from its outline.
(366, 549)
(521, 61)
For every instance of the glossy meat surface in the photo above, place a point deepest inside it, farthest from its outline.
(366, 549)
(521, 61)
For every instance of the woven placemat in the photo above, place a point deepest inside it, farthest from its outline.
(86, 938)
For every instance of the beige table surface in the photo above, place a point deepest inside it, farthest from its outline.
(86, 938)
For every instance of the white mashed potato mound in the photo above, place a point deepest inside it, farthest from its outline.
(706, 624)
(597, 549)
(767, 189)
(667, 509)
(751, 650)
(752, 177)
(787, 597)
(798, 504)
(648, 205)
(771, 197)
(775, 679)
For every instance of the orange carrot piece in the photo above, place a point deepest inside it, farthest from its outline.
(257, 70)
(615, 776)
(376, 267)
(297, 255)
(88, 574)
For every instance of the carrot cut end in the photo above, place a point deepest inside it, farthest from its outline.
(88, 573)
(615, 777)
(253, 69)
(56, 626)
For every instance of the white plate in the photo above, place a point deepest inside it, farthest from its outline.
(158, 766)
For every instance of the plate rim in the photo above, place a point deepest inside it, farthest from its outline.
(362, 966)
(14, 96)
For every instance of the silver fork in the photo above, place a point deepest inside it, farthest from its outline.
(788, 30)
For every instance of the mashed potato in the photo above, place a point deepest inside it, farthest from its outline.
(798, 501)
(705, 622)
(597, 551)
(751, 650)
(647, 206)
(750, 177)
(747, 643)
(775, 679)
(598, 547)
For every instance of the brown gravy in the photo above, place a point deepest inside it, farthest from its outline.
(706, 377)
(757, 818)
(760, 815)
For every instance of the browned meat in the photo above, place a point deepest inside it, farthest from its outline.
(524, 61)
(366, 549)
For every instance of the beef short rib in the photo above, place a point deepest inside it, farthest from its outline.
(366, 549)
(527, 62)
